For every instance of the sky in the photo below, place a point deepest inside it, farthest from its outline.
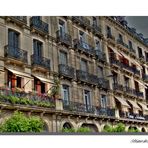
(140, 23)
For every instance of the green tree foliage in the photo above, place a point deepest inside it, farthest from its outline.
(108, 128)
(18, 122)
(83, 130)
(132, 129)
(120, 127)
(68, 130)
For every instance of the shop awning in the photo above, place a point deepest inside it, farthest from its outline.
(44, 80)
(134, 104)
(144, 107)
(123, 102)
(18, 73)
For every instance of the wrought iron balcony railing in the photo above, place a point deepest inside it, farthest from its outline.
(103, 83)
(122, 43)
(82, 20)
(134, 92)
(64, 38)
(127, 67)
(83, 108)
(78, 107)
(105, 112)
(88, 49)
(116, 62)
(96, 29)
(140, 94)
(131, 49)
(110, 36)
(141, 57)
(128, 90)
(117, 87)
(10, 96)
(66, 70)
(21, 19)
(86, 77)
(101, 55)
(40, 61)
(136, 71)
(39, 25)
(16, 53)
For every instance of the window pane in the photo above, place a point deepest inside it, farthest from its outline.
(83, 65)
(63, 58)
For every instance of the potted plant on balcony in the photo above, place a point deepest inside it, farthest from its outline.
(55, 90)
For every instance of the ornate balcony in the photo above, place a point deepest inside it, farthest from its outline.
(101, 56)
(40, 61)
(66, 71)
(82, 21)
(103, 83)
(127, 67)
(108, 112)
(20, 20)
(111, 38)
(117, 87)
(64, 38)
(133, 92)
(115, 62)
(83, 108)
(86, 77)
(140, 94)
(128, 90)
(132, 50)
(96, 29)
(16, 53)
(84, 47)
(136, 71)
(122, 43)
(78, 107)
(141, 57)
(39, 25)
(12, 97)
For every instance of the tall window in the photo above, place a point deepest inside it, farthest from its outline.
(120, 38)
(94, 21)
(84, 65)
(140, 52)
(126, 82)
(146, 56)
(130, 44)
(37, 47)
(97, 45)
(63, 58)
(115, 78)
(13, 39)
(65, 93)
(108, 30)
(100, 72)
(103, 101)
(39, 86)
(136, 85)
(87, 100)
(62, 27)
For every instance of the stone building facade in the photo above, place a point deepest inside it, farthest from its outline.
(101, 62)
